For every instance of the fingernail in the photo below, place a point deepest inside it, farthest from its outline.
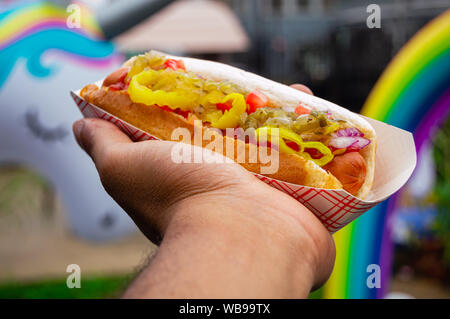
(77, 129)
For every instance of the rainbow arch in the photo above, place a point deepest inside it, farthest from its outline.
(28, 29)
(413, 93)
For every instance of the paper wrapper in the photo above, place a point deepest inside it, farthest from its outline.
(395, 162)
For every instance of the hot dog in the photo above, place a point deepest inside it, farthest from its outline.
(319, 143)
(350, 169)
(117, 77)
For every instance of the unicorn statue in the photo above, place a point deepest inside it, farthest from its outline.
(43, 59)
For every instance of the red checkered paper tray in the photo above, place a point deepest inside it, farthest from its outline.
(395, 162)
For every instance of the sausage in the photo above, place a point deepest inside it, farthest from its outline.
(350, 169)
(116, 77)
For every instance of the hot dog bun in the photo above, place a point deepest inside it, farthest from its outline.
(161, 124)
(292, 168)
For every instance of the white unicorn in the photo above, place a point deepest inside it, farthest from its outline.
(36, 116)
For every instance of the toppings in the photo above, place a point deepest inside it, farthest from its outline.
(140, 92)
(256, 100)
(185, 100)
(300, 110)
(314, 153)
(293, 145)
(349, 132)
(360, 143)
(224, 106)
(286, 139)
(278, 118)
(305, 123)
(184, 114)
(313, 126)
(322, 117)
(278, 122)
(342, 142)
(314, 148)
(156, 80)
(231, 118)
(314, 135)
(350, 139)
(174, 64)
(150, 60)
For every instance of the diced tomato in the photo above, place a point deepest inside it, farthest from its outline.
(315, 154)
(181, 65)
(292, 145)
(224, 106)
(256, 100)
(174, 64)
(300, 110)
(184, 114)
(166, 108)
(171, 63)
(332, 148)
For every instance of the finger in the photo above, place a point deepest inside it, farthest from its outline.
(302, 88)
(95, 136)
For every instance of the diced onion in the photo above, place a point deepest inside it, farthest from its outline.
(350, 143)
(360, 143)
(349, 138)
(349, 132)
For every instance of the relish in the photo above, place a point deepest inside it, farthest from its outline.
(317, 123)
(155, 80)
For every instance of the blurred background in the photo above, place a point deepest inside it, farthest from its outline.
(53, 210)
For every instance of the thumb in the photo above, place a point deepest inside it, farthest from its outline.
(95, 136)
(302, 88)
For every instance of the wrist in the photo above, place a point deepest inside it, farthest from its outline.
(256, 241)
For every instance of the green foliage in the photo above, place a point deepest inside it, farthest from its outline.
(91, 288)
(316, 294)
(441, 154)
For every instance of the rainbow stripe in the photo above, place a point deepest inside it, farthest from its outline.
(16, 24)
(414, 94)
(30, 29)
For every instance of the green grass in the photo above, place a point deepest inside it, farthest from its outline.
(317, 294)
(91, 288)
(95, 287)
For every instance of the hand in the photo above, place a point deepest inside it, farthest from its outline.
(215, 207)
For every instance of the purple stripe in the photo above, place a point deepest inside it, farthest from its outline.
(434, 118)
(386, 252)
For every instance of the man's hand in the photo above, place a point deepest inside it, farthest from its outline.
(224, 233)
